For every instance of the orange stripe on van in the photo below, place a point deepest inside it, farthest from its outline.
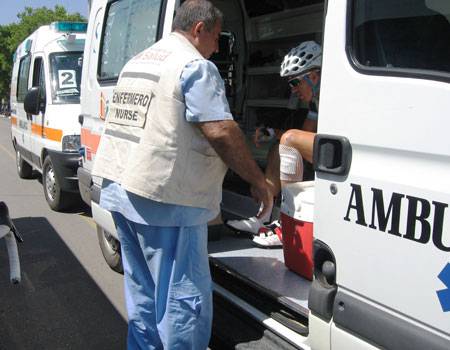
(53, 134)
(48, 133)
(36, 129)
(90, 140)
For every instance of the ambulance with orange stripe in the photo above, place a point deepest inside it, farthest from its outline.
(365, 263)
(45, 104)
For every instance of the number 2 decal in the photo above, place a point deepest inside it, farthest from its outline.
(67, 79)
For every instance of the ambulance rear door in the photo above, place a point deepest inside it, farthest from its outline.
(118, 30)
(382, 161)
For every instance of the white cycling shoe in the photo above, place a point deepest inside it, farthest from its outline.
(250, 225)
(269, 236)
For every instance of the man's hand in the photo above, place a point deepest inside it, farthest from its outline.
(262, 194)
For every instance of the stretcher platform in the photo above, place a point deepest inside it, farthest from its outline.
(261, 269)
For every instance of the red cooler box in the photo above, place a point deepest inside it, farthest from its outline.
(297, 212)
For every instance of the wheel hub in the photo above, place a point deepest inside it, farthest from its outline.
(18, 160)
(50, 183)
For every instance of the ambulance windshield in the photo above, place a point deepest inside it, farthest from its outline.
(65, 68)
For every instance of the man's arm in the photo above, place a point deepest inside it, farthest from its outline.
(227, 139)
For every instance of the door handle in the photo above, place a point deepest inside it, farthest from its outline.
(332, 154)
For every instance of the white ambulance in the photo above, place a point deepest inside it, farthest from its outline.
(45, 105)
(377, 207)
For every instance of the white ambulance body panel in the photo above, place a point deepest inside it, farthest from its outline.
(397, 127)
(381, 225)
(92, 96)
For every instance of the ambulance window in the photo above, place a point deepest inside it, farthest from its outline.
(22, 79)
(131, 26)
(38, 73)
(263, 7)
(403, 36)
(65, 69)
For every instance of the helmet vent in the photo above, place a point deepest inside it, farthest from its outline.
(302, 58)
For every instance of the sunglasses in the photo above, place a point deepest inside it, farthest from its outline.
(294, 82)
(297, 80)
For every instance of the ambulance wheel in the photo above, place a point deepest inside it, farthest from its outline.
(57, 199)
(24, 169)
(110, 248)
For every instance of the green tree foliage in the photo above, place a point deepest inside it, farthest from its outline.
(12, 35)
(5, 62)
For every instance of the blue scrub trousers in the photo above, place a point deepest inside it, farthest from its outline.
(168, 289)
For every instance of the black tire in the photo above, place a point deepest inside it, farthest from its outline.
(56, 198)
(24, 170)
(110, 248)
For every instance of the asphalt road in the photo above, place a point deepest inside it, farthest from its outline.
(68, 297)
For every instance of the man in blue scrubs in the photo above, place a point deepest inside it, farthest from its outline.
(161, 210)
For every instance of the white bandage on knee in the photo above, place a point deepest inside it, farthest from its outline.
(291, 164)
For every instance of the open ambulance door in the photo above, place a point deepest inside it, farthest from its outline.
(382, 191)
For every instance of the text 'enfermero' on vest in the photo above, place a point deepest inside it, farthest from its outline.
(129, 107)
(131, 98)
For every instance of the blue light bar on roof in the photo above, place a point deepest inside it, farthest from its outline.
(28, 44)
(70, 27)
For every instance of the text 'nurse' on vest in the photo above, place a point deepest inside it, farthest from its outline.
(126, 114)
(131, 98)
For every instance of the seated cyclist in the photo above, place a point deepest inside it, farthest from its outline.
(301, 67)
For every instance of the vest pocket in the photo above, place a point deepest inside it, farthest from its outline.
(204, 173)
(152, 165)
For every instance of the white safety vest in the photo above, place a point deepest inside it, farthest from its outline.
(148, 146)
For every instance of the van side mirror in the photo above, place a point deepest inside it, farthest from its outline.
(34, 101)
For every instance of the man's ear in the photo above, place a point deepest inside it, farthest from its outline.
(198, 27)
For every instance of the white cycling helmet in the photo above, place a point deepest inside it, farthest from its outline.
(302, 58)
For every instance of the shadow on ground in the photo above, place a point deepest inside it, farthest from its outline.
(57, 305)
